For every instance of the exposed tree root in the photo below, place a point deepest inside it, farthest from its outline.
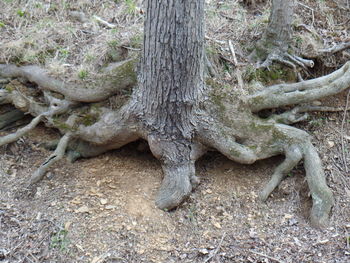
(288, 60)
(176, 185)
(321, 195)
(222, 122)
(18, 134)
(306, 91)
(118, 76)
(336, 48)
(293, 156)
(56, 156)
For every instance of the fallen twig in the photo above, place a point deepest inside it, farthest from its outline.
(237, 70)
(214, 253)
(342, 133)
(266, 256)
(103, 22)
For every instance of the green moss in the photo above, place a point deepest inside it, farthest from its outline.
(217, 99)
(83, 74)
(62, 125)
(136, 41)
(89, 119)
(235, 152)
(270, 76)
(262, 127)
(126, 72)
(9, 88)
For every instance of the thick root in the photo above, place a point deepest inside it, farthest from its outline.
(117, 76)
(293, 156)
(302, 92)
(176, 185)
(218, 136)
(177, 159)
(321, 194)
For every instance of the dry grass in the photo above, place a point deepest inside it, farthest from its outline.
(42, 32)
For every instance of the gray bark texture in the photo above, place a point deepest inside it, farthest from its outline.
(276, 41)
(179, 115)
(170, 84)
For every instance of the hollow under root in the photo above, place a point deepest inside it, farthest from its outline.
(10, 117)
(293, 156)
(322, 196)
(19, 133)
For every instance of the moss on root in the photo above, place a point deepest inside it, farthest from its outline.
(273, 75)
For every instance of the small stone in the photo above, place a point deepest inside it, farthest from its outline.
(95, 259)
(103, 201)
(330, 144)
(110, 207)
(83, 209)
(67, 225)
(217, 225)
(288, 216)
(203, 251)
(183, 256)
(316, 103)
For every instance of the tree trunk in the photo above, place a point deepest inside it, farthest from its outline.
(276, 40)
(278, 33)
(170, 83)
(179, 116)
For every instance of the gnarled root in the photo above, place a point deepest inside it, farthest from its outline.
(288, 60)
(56, 156)
(301, 92)
(293, 156)
(299, 113)
(321, 194)
(216, 135)
(116, 76)
(18, 134)
(303, 149)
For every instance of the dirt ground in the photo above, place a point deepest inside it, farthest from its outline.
(101, 210)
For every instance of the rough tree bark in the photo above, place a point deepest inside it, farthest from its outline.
(276, 41)
(177, 112)
(170, 83)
